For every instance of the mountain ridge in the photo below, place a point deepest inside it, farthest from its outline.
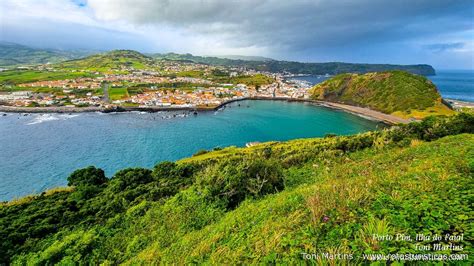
(13, 54)
(9, 57)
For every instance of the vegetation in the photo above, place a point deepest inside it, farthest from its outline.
(394, 92)
(265, 64)
(263, 204)
(13, 77)
(250, 80)
(115, 60)
(118, 93)
(12, 54)
(16, 55)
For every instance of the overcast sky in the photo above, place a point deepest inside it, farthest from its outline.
(436, 32)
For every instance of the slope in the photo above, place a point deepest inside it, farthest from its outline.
(393, 92)
(267, 203)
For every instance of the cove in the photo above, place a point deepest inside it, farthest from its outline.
(39, 151)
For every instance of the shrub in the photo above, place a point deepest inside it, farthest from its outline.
(200, 152)
(87, 176)
(234, 180)
(131, 177)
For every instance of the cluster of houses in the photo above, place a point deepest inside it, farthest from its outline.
(87, 91)
(214, 96)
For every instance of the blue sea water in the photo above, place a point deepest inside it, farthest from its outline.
(455, 84)
(312, 79)
(39, 151)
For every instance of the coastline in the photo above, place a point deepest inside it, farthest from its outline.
(359, 111)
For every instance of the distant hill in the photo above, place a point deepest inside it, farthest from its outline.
(15, 55)
(332, 68)
(116, 59)
(12, 54)
(245, 58)
(392, 92)
(209, 60)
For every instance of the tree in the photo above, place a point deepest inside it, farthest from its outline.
(87, 176)
(131, 177)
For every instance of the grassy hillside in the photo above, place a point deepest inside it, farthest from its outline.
(13, 77)
(114, 60)
(12, 54)
(264, 204)
(393, 92)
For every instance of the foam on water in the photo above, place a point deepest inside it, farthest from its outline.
(41, 118)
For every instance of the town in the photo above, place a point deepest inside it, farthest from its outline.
(176, 85)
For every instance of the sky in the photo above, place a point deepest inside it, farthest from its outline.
(436, 32)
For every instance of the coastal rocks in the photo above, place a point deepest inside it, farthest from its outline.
(114, 109)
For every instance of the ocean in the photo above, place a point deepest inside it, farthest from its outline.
(455, 84)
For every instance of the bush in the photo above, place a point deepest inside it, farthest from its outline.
(87, 176)
(131, 177)
(234, 180)
(200, 152)
(172, 177)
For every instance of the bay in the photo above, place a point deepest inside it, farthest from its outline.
(39, 151)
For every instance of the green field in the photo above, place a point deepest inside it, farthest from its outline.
(12, 77)
(266, 204)
(118, 93)
(254, 80)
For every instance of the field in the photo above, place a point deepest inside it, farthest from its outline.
(255, 80)
(12, 77)
(118, 93)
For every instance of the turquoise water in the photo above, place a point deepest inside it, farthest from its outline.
(39, 151)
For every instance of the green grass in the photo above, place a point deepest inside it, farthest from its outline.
(12, 77)
(118, 93)
(396, 186)
(109, 62)
(253, 80)
(191, 74)
(393, 92)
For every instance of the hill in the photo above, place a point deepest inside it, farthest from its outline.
(12, 54)
(246, 57)
(332, 68)
(267, 204)
(393, 92)
(114, 60)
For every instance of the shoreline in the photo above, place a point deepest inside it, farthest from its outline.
(355, 110)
